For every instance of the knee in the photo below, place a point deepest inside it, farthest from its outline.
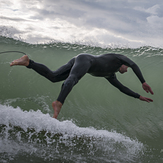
(71, 81)
(52, 78)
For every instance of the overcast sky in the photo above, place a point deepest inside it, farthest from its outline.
(106, 22)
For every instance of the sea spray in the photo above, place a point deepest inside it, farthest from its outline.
(40, 131)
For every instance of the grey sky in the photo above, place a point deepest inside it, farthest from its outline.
(130, 22)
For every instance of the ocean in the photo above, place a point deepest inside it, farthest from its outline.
(97, 122)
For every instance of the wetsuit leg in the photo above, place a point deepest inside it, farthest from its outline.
(79, 69)
(54, 76)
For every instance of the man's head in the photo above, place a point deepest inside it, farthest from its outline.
(123, 69)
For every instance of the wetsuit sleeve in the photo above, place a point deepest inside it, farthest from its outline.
(113, 80)
(126, 61)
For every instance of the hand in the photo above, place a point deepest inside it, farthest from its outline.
(147, 88)
(145, 99)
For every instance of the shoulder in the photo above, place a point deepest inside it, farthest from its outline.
(125, 60)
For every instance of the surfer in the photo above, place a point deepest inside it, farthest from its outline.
(105, 65)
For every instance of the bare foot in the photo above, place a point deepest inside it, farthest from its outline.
(57, 107)
(24, 61)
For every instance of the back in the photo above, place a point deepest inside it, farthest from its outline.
(106, 64)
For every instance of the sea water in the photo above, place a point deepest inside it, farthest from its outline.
(97, 122)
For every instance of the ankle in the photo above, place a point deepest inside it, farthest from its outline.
(29, 63)
(57, 103)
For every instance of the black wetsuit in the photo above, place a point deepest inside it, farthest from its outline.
(105, 65)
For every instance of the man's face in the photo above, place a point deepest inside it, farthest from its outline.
(123, 69)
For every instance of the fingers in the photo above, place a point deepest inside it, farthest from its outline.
(149, 100)
(150, 90)
(145, 99)
(147, 88)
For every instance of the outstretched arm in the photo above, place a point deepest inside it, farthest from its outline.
(138, 73)
(113, 80)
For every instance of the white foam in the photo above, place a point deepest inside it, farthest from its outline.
(103, 139)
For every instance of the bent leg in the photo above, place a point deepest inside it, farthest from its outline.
(54, 76)
(80, 68)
